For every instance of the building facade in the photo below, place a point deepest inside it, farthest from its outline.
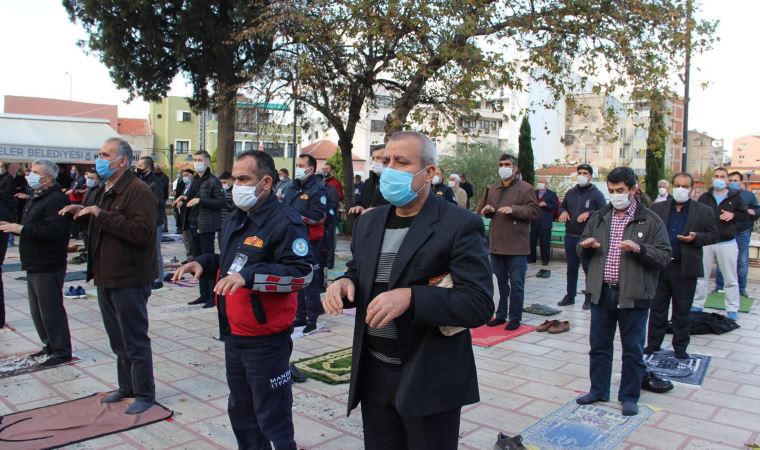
(745, 152)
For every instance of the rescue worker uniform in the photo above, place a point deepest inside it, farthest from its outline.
(443, 190)
(309, 199)
(269, 249)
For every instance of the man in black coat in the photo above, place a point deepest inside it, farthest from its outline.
(413, 366)
(690, 226)
(541, 228)
(7, 211)
(370, 195)
(43, 249)
(145, 170)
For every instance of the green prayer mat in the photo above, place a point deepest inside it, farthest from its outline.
(717, 300)
(331, 367)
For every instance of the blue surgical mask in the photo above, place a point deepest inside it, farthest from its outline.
(719, 183)
(396, 186)
(91, 183)
(33, 180)
(103, 168)
(187, 180)
(734, 185)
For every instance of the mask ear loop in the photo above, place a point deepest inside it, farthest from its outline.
(418, 190)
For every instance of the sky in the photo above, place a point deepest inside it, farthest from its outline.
(39, 49)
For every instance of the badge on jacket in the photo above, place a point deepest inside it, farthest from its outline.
(253, 241)
(640, 234)
(300, 247)
(304, 196)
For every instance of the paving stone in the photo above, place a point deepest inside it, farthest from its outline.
(722, 434)
(651, 437)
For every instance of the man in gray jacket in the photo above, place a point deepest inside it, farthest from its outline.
(627, 245)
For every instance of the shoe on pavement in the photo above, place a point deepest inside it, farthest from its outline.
(496, 321)
(586, 305)
(71, 292)
(210, 304)
(546, 325)
(296, 374)
(197, 301)
(589, 399)
(43, 352)
(505, 442)
(648, 350)
(309, 328)
(733, 315)
(560, 327)
(80, 292)
(547, 274)
(139, 406)
(630, 408)
(299, 323)
(157, 285)
(654, 383)
(55, 361)
(566, 301)
(512, 325)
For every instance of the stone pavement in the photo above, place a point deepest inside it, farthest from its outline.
(521, 380)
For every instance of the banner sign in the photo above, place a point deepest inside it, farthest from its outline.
(55, 154)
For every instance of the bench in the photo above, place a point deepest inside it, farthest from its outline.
(558, 236)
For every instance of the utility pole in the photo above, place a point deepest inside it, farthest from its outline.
(685, 79)
(295, 116)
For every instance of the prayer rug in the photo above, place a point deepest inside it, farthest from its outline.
(22, 363)
(576, 427)
(717, 300)
(70, 276)
(486, 336)
(168, 312)
(70, 422)
(331, 368)
(686, 371)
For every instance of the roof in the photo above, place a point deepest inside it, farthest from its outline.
(134, 127)
(54, 107)
(557, 170)
(60, 139)
(267, 106)
(324, 149)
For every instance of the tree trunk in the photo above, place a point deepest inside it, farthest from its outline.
(226, 114)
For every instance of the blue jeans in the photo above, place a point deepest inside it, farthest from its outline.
(742, 263)
(632, 322)
(573, 264)
(510, 275)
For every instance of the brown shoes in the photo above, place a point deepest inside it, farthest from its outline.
(554, 326)
(560, 327)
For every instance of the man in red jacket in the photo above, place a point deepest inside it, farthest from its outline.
(330, 179)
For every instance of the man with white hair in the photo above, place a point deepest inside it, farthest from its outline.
(459, 193)
(408, 347)
(121, 245)
(662, 192)
(44, 238)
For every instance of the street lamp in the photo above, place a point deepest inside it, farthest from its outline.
(71, 82)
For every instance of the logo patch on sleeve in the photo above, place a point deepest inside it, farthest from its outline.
(300, 247)
(304, 197)
(323, 200)
(253, 241)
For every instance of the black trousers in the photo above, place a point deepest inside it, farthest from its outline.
(309, 300)
(671, 285)
(45, 292)
(3, 249)
(385, 428)
(261, 396)
(125, 316)
(204, 244)
(543, 237)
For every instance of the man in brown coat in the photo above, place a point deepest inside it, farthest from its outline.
(511, 205)
(121, 243)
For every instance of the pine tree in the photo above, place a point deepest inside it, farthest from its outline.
(525, 153)
(655, 157)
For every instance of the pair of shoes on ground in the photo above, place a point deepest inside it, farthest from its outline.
(79, 259)
(554, 326)
(136, 407)
(511, 325)
(629, 408)
(543, 273)
(74, 292)
(567, 301)
(505, 442)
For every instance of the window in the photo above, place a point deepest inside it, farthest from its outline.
(377, 126)
(247, 145)
(275, 149)
(181, 146)
(238, 147)
(183, 116)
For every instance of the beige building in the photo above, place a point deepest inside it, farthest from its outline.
(746, 152)
(590, 139)
(704, 152)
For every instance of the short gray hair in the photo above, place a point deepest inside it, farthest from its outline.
(51, 168)
(663, 180)
(125, 149)
(428, 151)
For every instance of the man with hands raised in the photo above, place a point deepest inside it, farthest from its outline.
(264, 261)
(410, 372)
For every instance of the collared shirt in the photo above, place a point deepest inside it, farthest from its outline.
(676, 225)
(617, 228)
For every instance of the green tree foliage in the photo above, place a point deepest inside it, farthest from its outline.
(656, 139)
(525, 153)
(437, 60)
(219, 46)
(479, 161)
(337, 162)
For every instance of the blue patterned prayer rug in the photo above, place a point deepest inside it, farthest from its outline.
(687, 371)
(600, 426)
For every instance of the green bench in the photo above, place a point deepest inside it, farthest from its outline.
(558, 235)
(487, 224)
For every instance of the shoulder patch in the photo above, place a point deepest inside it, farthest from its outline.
(323, 200)
(304, 196)
(440, 193)
(253, 241)
(300, 247)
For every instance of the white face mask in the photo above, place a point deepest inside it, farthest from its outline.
(225, 186)
(540, 186)
(452, 184)
(582, 180)
(436, 179)
(244, 197)
(301, 173)
(680, 195)
(662, 191)
(200, 167)
(620, 201)
(376, 167)
(187, 180)
(505, 173)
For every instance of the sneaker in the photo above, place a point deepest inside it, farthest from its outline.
(560, 327)
(80, 292)
(496, 321)
(157, 285)
(733, 315)
(71, 292)
(546, 325)
(309, 328)
(567, 301)
(512, 325)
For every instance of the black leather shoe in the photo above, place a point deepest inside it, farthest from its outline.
(681, 354)
(197, 301)
(496, 322)
(42, 352)
(566, 301)
(55, 361)
(299, 323)
(648, 350)
(297, 375)
(512, 325)
(653, 383)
